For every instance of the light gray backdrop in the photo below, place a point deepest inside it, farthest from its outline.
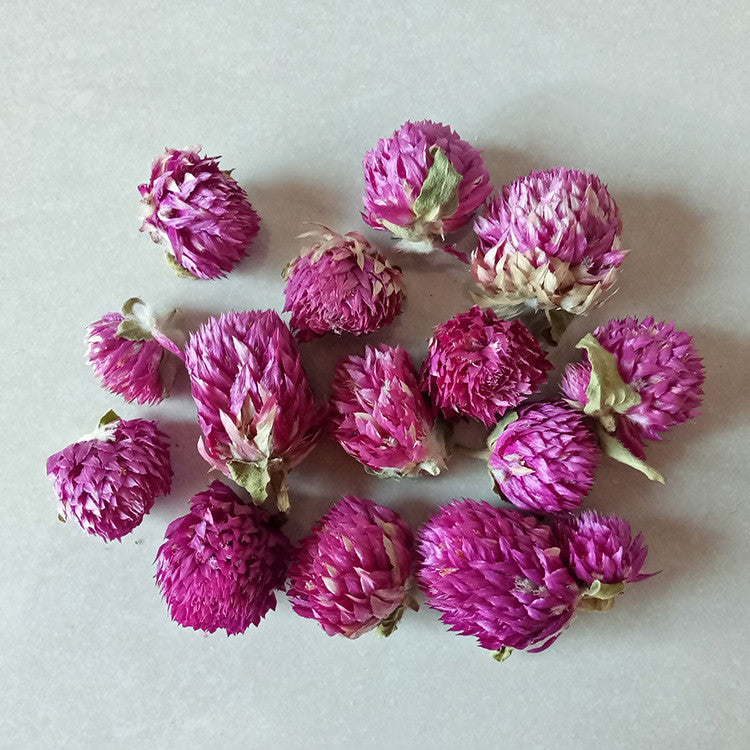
(651, 96)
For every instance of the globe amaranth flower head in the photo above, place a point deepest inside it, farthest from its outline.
(131, 353)
(341, 284)
(221, 564)
(480, 366)
(549, 241)
(255, 406)
(379, 416)
(422, 182)
(639, 378)
(543, 457)
(108, 480)
(350, 574)
(199, 211)
(495, 574)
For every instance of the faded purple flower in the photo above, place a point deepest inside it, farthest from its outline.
(351, 572)
(495, 574)
(544, 457)
(341, 285)
(221, 564)
(422, 182)
(380, 417)
(480, 366)
(108, 480)
(548, 241)
(199, 211)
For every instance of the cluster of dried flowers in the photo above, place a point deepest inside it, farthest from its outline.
(548, 248)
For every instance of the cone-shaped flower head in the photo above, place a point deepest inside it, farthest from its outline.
(199, 211)
(221, 564)
(495, 574)
(341, 284)
(422, 182)
(351, 572)
(602, 555)
(639, 379)
(380, 417)
(480, 366)
(543, 457)
(131, 354)
(548, 241)
(108, 480)
(255, 406)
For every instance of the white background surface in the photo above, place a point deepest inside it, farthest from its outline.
(651, 96)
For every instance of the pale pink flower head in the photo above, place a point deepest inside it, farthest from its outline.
(221, 565)
(422, 182)
(601, 548)
(199, 211)
(131, 355)
(480, 366)
(108, 480)
(543, 457)
(255, 406)
(495, 574)
(380, 417)
(548, 241)
(341, 284)
(350, 574)
(660, 370)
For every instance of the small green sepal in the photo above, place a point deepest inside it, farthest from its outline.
(109, 417)
(615, 449)
(502, 654)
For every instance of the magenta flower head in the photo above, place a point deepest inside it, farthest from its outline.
(549, 241)
(639, 379)
(108, 480)
(255, 406)
(341, 285)
(480, 366)
(543, 457)
(221, 564)
(132, 354)
(350, 574)
(199, 211)
(495, 574)
(602, 554)
(380, 417)
(422, 182)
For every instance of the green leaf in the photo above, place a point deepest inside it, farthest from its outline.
(181, 271)
(503, 654)
(606, 392)
(132, 330)
(253, 476)
(508, 418)
(438, 198)
(388, 624)
(599, 590)
(615, 449)
(279, 481)
(110, 416)
(558, 320)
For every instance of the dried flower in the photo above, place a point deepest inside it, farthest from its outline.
(350, 574)
(380, 417)
(495, 574)
(601, 548)
(199, 211)
(341, 284)
(479, 366)
(639, 379)
(131, 354)
(422, 182)
(221, 564)
(549, 241)
(255, 406)
(544, 457)
(108, 480)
